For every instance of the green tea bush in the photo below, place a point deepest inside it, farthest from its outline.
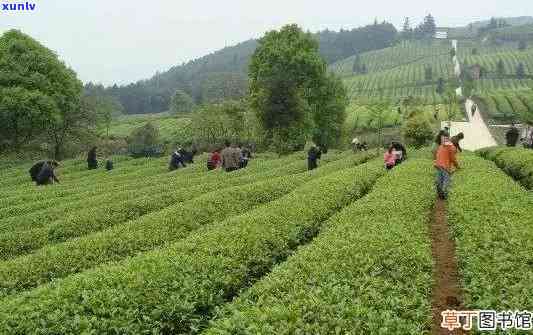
(368, 272)
(175, 289)
(102, 213)
(150, 231)
(491, 219)
(119, 187)
(516, 162)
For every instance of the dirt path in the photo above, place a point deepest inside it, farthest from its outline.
(446, 292)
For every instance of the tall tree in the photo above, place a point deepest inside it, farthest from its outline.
(23, 115)
(520, 71)
(330, 112)
(500, 68)
(181, 103)
(441, 86)
(428, 73)
(429, 26)
(522, 45)
(407, 30)
(379, 113)
(493, 23)
(45, 91)
(220, 86)
(357, 65)
(285, 74)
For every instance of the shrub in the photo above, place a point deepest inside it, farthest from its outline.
(181, 103)
(516, 162)
(418, 131)
(145, 141)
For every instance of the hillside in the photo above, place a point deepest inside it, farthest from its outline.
(398, 71)
(475, 28)
(229, 66)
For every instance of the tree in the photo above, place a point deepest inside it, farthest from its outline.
(144, 141)
(474, 51)
(45, 87)
(216, 123)
(468, 86)
(331, 112)
(101, 109)
(493, 23)
(286, 76)
(378, 115)
(428, 73)
(181, 103)
(430, 27)
(522, 45)
(418, 130)
(441, 86)
(452, 103)
(23, 115)
(220, 86)
(520, 71)
(407, 29)
(426, 29)
(358, 66)
(500, 68)
(452, 52)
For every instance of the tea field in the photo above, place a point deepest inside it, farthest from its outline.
(271, 249)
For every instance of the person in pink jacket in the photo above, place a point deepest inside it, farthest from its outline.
(390, 158)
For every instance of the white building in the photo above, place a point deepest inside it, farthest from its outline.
(441, 35)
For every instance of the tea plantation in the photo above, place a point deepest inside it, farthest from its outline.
(271, 249)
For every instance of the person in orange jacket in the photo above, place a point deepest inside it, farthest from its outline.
(445, 163)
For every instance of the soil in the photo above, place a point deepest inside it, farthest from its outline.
(446, 290)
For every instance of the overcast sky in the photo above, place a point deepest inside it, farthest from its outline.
(122, 41)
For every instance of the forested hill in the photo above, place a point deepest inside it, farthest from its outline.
(222, 74)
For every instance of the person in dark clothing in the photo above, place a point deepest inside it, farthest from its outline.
(246, 155)
(456, 139)
(511, 136)
(313, 155)
(92, 162)
(35, 169)
(109, 165)
(47, 175)
(175, 161)
(187, 156)
(401, 152)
